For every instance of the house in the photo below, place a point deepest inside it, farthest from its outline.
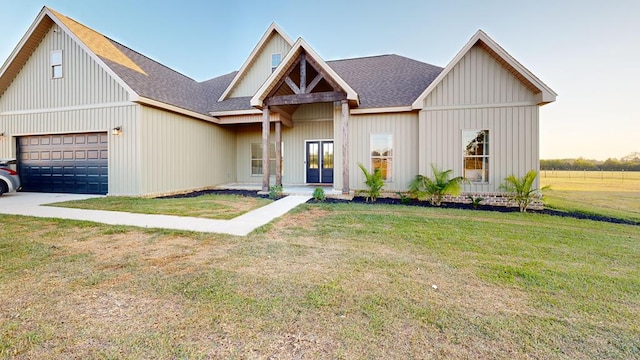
(84, 113)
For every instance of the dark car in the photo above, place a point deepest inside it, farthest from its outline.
(9, 178)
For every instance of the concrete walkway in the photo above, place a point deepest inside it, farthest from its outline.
(30, 204)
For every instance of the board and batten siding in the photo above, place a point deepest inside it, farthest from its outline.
(403, 127)
(478, 79)
(479, 93)
(513, 141)
(179, 153)
(123, 152)
(83, 82)
(293, 148)
(260, 69)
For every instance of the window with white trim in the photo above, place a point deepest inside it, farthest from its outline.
(476, 155)
(382, 155)
(256, 158)
(56, 64)
(276, 59)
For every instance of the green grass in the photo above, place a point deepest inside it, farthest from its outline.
(214, 206)
(594, 193)
(324, 281)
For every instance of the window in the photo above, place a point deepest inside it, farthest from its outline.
(256, 158)
(275, 61)
(382, 155)
(476, 155)
(56, 64)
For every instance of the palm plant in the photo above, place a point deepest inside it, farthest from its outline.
(374, 183)
(521, 189)
(435, 188)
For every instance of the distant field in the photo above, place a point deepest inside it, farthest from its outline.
(610, 193)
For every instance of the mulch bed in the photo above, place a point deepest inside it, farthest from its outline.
(414, 202)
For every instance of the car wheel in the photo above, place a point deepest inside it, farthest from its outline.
(3, 187)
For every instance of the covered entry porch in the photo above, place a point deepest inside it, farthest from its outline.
(304, 78)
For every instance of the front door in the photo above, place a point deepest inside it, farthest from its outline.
(320, 162)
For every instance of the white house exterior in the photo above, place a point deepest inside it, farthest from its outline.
(83, 113)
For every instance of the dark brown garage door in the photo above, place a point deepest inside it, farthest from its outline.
(64, 163)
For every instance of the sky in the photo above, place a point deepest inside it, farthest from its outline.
(586, 51)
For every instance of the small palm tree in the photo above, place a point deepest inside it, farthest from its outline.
(434, 189)
(374, 183)
(521, 189)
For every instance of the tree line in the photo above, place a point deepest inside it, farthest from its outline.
(628, 163)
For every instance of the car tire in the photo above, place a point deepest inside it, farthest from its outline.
(3, 187)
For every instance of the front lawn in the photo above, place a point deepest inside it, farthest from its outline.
(212, 206)
(324, 281)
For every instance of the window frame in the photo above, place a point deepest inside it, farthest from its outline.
(274, 63)
(56, 64)
(272, 161)
(485, 157)
(388, 176)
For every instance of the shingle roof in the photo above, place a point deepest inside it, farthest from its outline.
(386, 80)
(380, 81)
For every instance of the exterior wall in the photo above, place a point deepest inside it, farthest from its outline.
(179, 153)
(513, 141)
(123, 152)
(293, 148)
(404, 130)
(480, 94)
(85, 99)
(83, 82)
(260, 69)
(478, 79)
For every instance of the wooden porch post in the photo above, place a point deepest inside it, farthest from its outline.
(345, 146)
(279, 153)
(266, 128)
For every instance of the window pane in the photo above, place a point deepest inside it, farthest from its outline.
(385, 165)
(382, 155)
(381, 145)
(313, 156)
(256, 167)
(56, 72)
(476, 169)
(327, 155)
(56, 57)
(256, 151)
(476, 143)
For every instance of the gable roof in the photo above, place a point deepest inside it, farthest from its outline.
(299, 47)
(382, 82)
(273, 29)
(544, 93)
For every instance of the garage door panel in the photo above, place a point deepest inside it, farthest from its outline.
(70, 163)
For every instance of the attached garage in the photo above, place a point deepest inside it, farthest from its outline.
(64, 163)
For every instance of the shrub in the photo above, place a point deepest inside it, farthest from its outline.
(521, 189)
(434, 189)
(475, 201)
(275, 192)
(374, 183)
(318, 194)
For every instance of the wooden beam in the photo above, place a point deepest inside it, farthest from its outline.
(303, 74)
(285, 118)
(278, 154)
(314, 82)
(266, 128)
(293, 86)
(326, 76)
(328, 96)
(345, 146)
(282, 79)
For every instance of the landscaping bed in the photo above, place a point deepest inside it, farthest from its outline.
(415, 202)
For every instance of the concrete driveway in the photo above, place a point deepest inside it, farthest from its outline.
(32, 204)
